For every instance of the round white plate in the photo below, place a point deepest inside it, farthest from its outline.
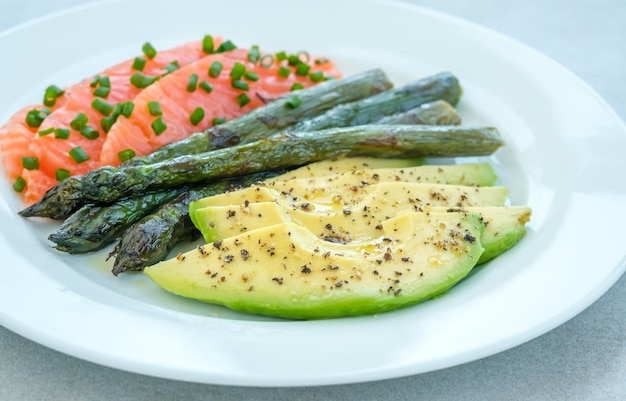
(564, 158)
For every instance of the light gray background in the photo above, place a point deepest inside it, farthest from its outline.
(583, 359)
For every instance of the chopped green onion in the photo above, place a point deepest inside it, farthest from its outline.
(254, 54)
(30, 163)
(192, 83)
(62, 133)
(107, 122)
(293, 102)
(237, 71)
(46, 132)
(102, 106)
(242, 100)
(51, 94)
(251, 76)
(304, 57)
(216, 69)
(303, 69)
(205, 86)
(102, 91)
(79, 121)
(148, 50)
(61, 174)
(219, 120)
(284, 71)
(78, 154)
(139, 64)
(35, 117)
(19, 184)
(317, 76)
(104, 81)
(171, 67)
(158, 126)
(127, 109)
(280, 56)
(90, 133)
(94, 81)
(226, 46)
(196, 116)
(154, 108)
(126, 154)
(267, 61)
(142, 81)
(296, 86)
(322, 60)
(293, 59)
(208, 46)
(242, 85)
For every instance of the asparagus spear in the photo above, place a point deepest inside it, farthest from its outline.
(152, 238)
(108, 184)
(93, 227)
(63, 199)
(438, 112)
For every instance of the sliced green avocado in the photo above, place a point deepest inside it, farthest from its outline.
(284, 270)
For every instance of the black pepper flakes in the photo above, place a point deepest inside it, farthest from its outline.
(244, 254)
(228, 258)
(279, 280)
(306, 269)
(217, 244)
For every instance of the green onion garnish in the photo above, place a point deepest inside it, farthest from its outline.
(154, 108)
(102, 106)
(102, 91)
(94, 81)
(192, 83)
(304, 57)
(242, 85)
(148, 50)
(171, 67)
(139, 64)
(61, 174)
(205, 86)
(251, 76)
(19, 184)
(293, 59)
(142, 81)
(296, 86)
(196, 116)
(242, 100)
(226, 46)
(90, 133)
(237, 71)
(280, 56)
(215, 69)
(107, 122)
(127, 109)
(317, 76)
(219, 120)
(208, 46)
(62, 133)
(79, 121)
(126, 154)
(254, 54)
(46, 132)
(78, 154)
(35, 117)
(51, 94)
(303, 69)
(293, 102)
(158, 126)
(30, 163)
(104, 81)
(322, 60)
(284, 71)
(267, 61)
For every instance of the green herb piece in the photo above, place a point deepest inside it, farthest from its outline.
(205, 86)
(321, 60)
(149, 50)
(303, 69)
(208, 45)
(293, 60)
(237, 71)
(251, 76)
(242, 100)
(267, 61)
(225, 47)
(139, 64)
(90, 133)
(102, 106)
(196, 116)
(102, 91)
(171, 67)
(79, 121)
(51, 94)
(192, 83)
(317, 76)
(216, 69)
(19, 184)
(158, 126)
(296, 86)
(280, 56)
(154, 108)
(284, 71)
(35, 117)
(78, 154)
(127, 109)
(304, 57)
(30, 163)
(219, 120)
(254, 54)
(141, 80)
(293, 102)
(46, 132)
(242, 85)
(62, 133)
(107, 123)
(61, 174)
(126, 154)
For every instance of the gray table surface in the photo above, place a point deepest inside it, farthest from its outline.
(583, 359)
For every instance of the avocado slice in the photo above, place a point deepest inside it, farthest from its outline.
(284, 270)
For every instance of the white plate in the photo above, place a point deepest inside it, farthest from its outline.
(564, 157)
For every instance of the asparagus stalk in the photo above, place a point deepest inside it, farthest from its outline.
(108, 184)
(93, 227)
(152, 238)
(438, 112)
